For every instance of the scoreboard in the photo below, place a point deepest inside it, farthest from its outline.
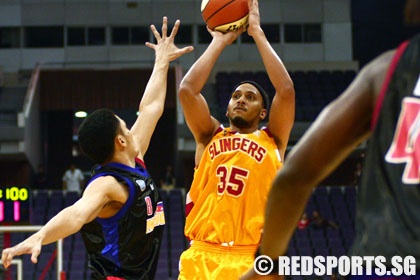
(15, 205)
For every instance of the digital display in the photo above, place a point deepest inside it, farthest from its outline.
(15, 205)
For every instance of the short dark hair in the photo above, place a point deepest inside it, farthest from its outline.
(97, 134)
(264, 95)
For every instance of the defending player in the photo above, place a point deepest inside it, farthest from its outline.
(120, 213)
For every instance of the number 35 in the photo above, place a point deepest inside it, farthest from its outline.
(231, 181)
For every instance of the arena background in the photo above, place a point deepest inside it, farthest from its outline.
(61, 56)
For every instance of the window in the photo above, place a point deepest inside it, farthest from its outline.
(272, 32)
(312, 33)
(130, 35)
(96, 36)
(184, 35)
(44, 37)
(9, 37)
(120, 36)
(293, 33)
(76, 36)
(204, 36)
(139, 35)
(303, 33)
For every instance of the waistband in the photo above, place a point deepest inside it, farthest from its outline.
(221, 248)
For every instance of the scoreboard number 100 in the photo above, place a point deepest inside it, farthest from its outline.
(15, 205)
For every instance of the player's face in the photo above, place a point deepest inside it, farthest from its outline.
(245, 106)
(132, 143)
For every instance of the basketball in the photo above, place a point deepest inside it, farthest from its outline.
(225, 15)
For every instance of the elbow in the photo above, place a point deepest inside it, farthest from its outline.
(285, 90)
(289, 89)
(185, 90)
(156, 110)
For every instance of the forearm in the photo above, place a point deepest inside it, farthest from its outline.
(285, 204)
(155, 92)
(199, 73)
(274, 66)
(64, 224)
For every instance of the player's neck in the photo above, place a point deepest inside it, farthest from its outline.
(124, 158)
(243, 130)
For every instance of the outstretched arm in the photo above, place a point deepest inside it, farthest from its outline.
(196, 111)
(282, 112)
(153, 100)
(66, 222)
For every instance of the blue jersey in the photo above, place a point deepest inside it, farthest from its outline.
(127, 244)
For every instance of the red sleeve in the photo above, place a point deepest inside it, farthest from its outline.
(188, 208)
(390, 72)
(139, 161)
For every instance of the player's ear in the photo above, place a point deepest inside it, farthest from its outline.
(120, 140)
(263, 114)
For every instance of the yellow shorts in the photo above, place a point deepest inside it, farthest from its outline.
(208, 261)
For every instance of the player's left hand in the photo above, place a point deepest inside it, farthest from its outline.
(254, 20)
(165, 47)
(31, 246)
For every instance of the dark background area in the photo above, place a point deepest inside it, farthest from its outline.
(378, 25)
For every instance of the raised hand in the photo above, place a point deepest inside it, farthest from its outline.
(254, 18)
(165, 47)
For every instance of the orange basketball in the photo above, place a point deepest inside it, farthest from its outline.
(225, 15)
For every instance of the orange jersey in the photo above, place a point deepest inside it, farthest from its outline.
(230, 188)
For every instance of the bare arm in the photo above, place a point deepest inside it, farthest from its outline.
(153, 100)
(194, 105)
(341, 126)
(282, 112)
(69, 220)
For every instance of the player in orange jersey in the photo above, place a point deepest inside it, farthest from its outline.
(234, 165)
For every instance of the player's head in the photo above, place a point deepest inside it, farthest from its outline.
(412, 12)
(97, 134)
(247, 105)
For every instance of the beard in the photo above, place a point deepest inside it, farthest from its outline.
(239, 122)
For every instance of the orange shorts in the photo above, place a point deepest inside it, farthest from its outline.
(208, 261)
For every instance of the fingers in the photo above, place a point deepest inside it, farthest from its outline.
(164, 27)
(34, 256)
(175, 28)
(155, 32)
(150, 45)
(158, 36)
(187, 49)
(6, 258)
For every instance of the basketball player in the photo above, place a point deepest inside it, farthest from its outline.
(235, 165)
(383, 103)
(120, 213)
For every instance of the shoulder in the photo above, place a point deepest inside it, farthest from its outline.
(105, 186)
(102, 182)
(380, 64)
